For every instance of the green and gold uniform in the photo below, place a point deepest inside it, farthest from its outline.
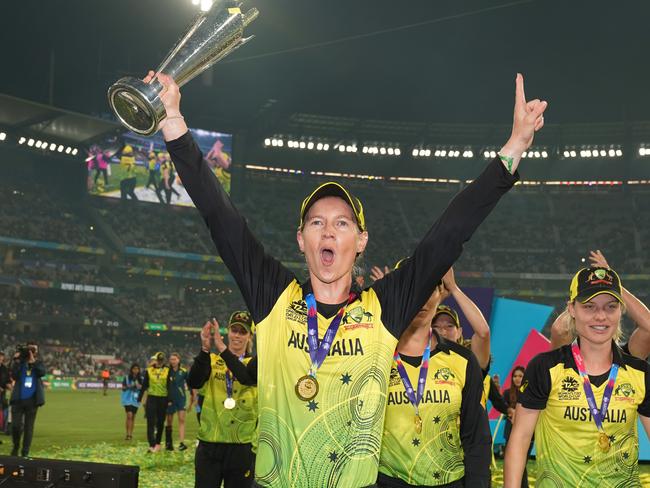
(157, 383)
(236, 426)
(334, 439)
(225, 451)
(129, 180)
(454, 444)
(566, 436)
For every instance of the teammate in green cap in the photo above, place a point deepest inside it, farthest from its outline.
(229, 411)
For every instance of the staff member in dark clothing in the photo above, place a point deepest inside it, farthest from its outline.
(229, 412)
(157, 385)
(322, 403)
(28, 394)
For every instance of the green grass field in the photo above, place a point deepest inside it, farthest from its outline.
(87, 426)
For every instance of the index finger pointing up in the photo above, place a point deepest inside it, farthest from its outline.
(520, 96)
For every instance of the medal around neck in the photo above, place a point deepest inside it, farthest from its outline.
(229, 403)
(604, 444)
(213, 35)
(307, 388)
(418, 424)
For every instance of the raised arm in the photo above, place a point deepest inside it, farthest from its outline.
(560, 334)
(201, 367)
(261, 279)
(403, 292)
(481, 337)
(474, 429)
(246, 374)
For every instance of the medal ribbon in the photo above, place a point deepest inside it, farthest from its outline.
(229, 379)
(318, 352)
(424, 368)
(597, 413)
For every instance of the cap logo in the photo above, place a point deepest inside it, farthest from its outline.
(600, 276)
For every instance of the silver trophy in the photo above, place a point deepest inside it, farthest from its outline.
(213, 35)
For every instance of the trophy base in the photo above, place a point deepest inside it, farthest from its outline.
(136, 104)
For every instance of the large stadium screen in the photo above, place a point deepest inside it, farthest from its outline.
(129, 166)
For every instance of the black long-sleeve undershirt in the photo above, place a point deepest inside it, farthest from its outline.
(262, 278)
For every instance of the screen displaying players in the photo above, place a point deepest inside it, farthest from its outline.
(129, 166)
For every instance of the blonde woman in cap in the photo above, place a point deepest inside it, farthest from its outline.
(229, 411)
(582, 401)
(322, 401)
(638, 344)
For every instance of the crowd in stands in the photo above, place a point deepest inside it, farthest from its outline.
(52, 308)
(155, 226)
(33, 211)
(194, 310)
(529, 232)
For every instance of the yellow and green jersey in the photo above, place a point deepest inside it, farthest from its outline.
(218, 424)
(566, 436)
(127, 161)
(156, 381)
(334, 439)
(453, 422)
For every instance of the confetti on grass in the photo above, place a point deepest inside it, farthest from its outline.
(157, 470)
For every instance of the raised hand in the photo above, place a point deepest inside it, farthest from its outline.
(218, 338)
(173, 126)
(527, 119)
(376, 273)
(597, 259)
(206, 336)
(449, 281)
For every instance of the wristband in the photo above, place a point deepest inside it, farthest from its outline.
(508, 161)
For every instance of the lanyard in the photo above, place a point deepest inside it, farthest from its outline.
(597, 413)
(424, 368)
(318, 352)
(229, 379)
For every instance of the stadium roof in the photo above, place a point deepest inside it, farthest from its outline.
(42, 121)
(424, 61)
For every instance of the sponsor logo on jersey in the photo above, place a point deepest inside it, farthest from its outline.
(570, 389)
(297, 311)
(624, 393)
(443, 376)
(357, 318)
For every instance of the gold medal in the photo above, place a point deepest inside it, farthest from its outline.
(229, 403)
(306, 388)
(418, 424)
(604, 443)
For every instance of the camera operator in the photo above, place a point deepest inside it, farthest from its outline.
(27, 395)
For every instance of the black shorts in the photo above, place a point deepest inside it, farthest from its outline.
(131, 408)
